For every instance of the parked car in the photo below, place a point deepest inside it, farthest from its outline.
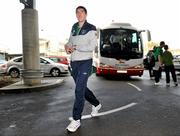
(15, 65)
(2, 66)
(176, 61)
(2, 61)
(59, 59)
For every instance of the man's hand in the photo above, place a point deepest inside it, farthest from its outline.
(69, 49)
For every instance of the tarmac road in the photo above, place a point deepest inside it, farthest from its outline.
(131, 107)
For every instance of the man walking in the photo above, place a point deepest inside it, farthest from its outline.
(81, 44)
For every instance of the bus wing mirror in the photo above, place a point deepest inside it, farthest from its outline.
(148, 34)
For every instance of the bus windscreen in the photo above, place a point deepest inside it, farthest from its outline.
(120, 44)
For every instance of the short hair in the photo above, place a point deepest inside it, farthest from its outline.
(162, 43)
(82, 7)
(166, 47)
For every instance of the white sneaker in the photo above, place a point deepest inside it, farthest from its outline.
(158, 83)
(95, 110)
(74, 125)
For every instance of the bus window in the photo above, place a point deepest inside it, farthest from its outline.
(120, 44)
(134, 38)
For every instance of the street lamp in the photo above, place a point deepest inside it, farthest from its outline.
(28, 3)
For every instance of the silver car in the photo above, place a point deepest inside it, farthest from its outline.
(15, 65)
(176, 61)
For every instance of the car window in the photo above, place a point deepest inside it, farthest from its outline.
(55, 59)
(58, 59)
(18, 60)
(61, 59)
(43, 61)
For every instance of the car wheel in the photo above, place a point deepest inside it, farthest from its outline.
(14, 73)
(55, 72)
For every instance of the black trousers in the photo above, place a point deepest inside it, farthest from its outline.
(151, 71)
(158, 74)
(168, 70)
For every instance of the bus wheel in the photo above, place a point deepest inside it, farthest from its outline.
(97, 74)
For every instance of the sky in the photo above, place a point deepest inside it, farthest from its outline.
(56, 17)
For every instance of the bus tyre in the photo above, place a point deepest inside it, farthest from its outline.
(97, 74)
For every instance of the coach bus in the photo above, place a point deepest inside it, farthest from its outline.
(119, 50)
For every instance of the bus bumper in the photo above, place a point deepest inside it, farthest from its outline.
(128, 72)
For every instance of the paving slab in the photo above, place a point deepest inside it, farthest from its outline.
(19, 87)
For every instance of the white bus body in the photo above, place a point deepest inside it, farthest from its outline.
(119, 50)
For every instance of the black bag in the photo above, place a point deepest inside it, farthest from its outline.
(152, 61)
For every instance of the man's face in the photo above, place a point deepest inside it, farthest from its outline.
(81, 15)
(162, 45)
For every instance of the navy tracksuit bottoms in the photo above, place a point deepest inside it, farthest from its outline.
(81, 71)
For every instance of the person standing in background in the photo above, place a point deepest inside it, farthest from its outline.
(81, 44)
(150, 63)
(158, 62)
(167, 58)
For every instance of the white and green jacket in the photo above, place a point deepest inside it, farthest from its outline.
(85, 40)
